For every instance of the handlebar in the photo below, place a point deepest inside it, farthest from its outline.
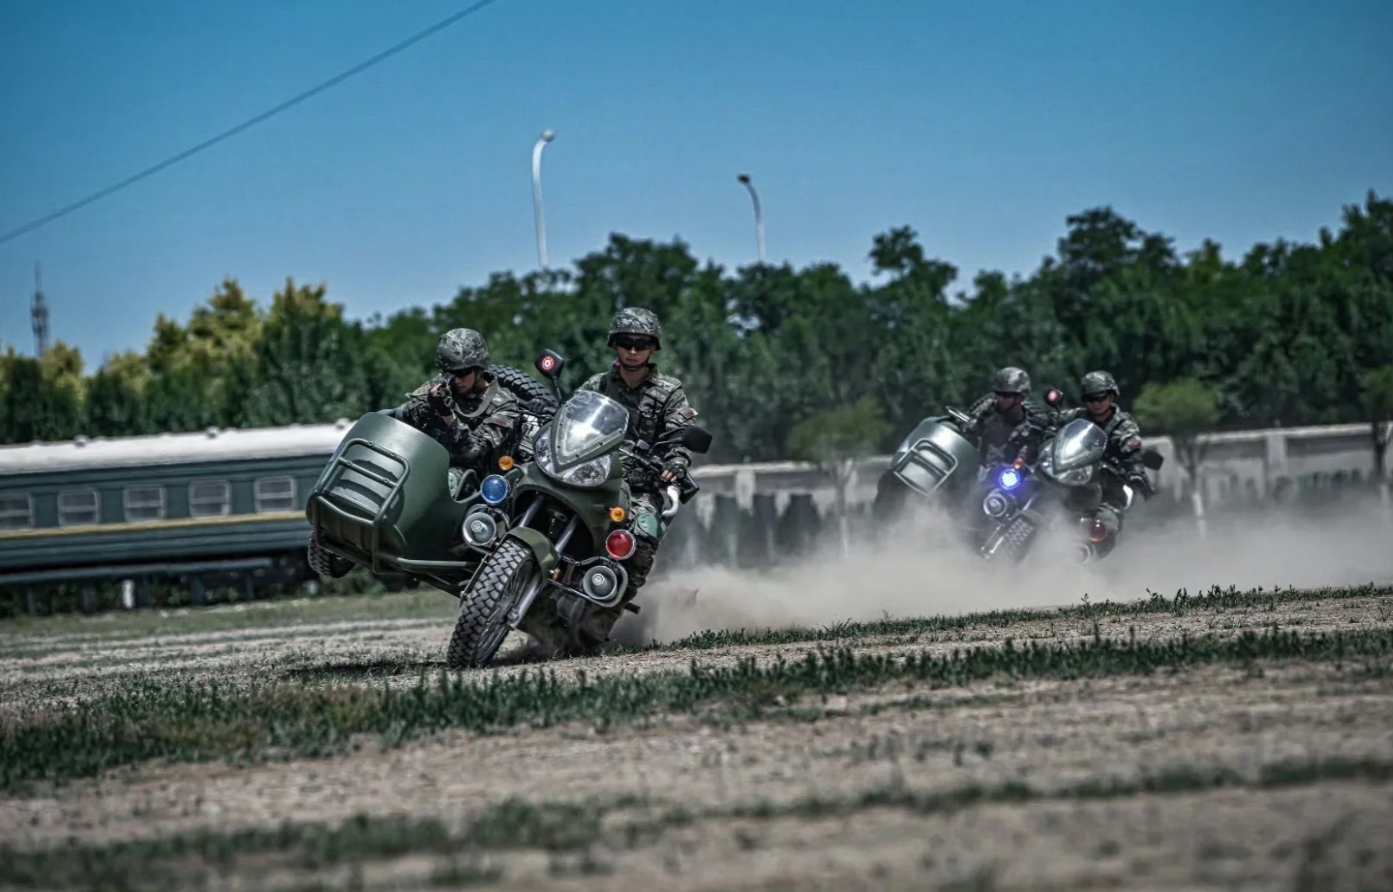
(686, 487)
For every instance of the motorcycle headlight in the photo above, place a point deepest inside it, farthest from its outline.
(541, 451)
(591, 473)
(1071, 477)
(1078, 476)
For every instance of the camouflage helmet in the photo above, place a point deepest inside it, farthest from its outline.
(636, 321)
(1011, 380)
(460, 349)
(1098, 383)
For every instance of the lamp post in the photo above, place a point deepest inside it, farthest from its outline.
(759, 218)
(546, 137)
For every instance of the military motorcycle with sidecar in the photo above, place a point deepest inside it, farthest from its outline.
(553, 535)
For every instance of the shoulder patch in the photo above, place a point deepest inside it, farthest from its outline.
(1132, 445)
(497, 421)
(689, 413)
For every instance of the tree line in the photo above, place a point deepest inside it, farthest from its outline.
(802, 363)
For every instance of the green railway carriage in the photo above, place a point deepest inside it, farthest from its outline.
(192, 505)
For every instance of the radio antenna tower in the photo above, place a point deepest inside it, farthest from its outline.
(39, 314)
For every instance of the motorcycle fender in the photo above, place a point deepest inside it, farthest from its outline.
(541, 547)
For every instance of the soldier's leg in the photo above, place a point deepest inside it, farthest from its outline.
(594, 630)
(1110, 517)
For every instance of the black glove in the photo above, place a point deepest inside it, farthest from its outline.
(439, 399)
(1142, 484)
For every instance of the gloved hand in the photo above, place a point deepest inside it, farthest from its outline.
(1142, 484)
(439, 399)
(672, 471)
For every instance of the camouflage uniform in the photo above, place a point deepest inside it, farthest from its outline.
(483, 426)
(1122, 457)
(1001, 436)
(657, 407)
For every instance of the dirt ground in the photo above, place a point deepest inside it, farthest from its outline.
(1095, 757)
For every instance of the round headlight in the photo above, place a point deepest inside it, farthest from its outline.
(494, 489)
(480, 529)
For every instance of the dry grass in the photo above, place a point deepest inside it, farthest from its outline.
(1254, 771)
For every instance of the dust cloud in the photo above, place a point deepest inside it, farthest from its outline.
(925, 572)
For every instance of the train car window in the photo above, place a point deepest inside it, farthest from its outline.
(210, 498)
(144, 503)
(78, 507)
(275, 494)
(16, 511)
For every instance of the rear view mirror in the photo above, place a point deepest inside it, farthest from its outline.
(1054, 398)
(696, 439)
(550, 364)
(1152, 459)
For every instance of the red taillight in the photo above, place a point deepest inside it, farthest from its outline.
(620, 544)
(1097, 532)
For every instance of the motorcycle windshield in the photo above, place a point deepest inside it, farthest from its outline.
(588, 425)
(1078, 443)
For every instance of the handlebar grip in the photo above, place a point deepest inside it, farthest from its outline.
(687, 487)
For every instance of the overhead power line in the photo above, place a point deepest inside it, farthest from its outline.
(250, 122)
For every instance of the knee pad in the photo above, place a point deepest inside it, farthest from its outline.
(1110, 518)
(648, 526)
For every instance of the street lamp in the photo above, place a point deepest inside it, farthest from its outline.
(759, 219)
(547, 136)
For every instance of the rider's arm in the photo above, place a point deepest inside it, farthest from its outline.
(418, 413)
(1127, 447)
(679, 413)
(488, 435)
(978, 413)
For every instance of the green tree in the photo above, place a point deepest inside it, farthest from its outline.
(1184, 410)
(835, 439)
(1377, 392)
(117, 397)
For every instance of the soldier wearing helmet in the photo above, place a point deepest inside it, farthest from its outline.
(1100, 392)
(463, 408)
(657, 407)
(1006, 420)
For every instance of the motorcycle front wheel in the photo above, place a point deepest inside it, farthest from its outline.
(482, 622)
(1014, 542)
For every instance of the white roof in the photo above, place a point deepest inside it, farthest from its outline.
(168, 449)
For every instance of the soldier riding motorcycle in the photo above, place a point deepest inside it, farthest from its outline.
(481, 412)
(524, 548)
(555, 532)
(947, 458)
(1085, 475)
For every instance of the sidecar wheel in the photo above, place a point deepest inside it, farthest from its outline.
(482, 622)
(890, 497)
(325, 563)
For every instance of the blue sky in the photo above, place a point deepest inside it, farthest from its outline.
(981, 125)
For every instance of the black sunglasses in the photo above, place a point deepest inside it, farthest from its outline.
(1095, 397)
(634, 343)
